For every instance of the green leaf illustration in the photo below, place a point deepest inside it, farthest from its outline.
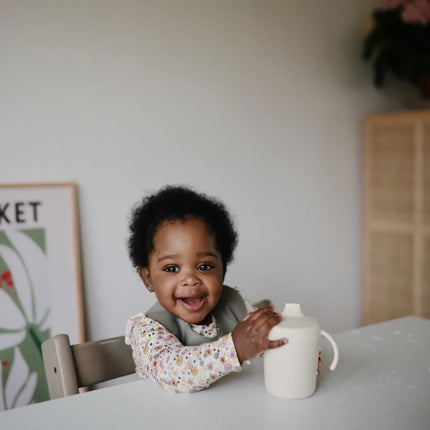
(31, 350)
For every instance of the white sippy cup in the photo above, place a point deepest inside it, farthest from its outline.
(290, 371)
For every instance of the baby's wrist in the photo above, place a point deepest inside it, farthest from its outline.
(236, 345)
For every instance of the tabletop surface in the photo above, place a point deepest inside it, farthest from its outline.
(382, 382)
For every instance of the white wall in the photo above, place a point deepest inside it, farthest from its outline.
(257, 102)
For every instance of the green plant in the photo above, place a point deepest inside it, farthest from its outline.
(24, 319)
(398, 41)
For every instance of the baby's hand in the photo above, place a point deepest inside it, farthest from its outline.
(250, 334)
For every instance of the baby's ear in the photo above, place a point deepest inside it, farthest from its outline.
(146, 277)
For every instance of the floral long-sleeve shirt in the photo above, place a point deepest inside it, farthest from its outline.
(160, 356)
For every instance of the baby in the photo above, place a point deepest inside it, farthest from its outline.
(198, 330)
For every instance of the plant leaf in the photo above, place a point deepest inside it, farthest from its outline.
(12, 322)
(20, 279)
(18, 375)
(37, 269)
(31, 349)
(6, 360)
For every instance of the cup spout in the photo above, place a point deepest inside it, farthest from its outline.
(292, 310)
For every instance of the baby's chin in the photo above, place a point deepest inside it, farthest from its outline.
(197, 320)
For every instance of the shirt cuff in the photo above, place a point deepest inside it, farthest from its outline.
(228, 344)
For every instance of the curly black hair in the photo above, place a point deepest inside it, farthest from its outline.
(173, 203)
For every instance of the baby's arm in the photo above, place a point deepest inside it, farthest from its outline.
(159, 355)
(250, 335)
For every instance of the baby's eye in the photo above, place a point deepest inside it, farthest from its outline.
(205, 266)
(171, 269)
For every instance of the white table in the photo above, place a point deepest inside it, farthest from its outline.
(382, 382)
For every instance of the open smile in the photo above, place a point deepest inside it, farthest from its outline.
(192, 304)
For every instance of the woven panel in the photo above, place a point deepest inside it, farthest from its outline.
(391, 270)
(392, 172)
(426, 278)
(426, 174)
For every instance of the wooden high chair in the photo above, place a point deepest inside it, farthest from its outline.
(70, 367)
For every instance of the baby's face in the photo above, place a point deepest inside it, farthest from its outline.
(185, 270)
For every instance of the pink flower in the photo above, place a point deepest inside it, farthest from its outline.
(6, 277)
(393, 4)
(417, 11)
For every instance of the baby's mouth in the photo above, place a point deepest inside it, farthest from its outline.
(192, 303)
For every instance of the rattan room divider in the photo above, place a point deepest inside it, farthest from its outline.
(396, 216)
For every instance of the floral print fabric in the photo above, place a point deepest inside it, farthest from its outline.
(210, 331)
(160, 356)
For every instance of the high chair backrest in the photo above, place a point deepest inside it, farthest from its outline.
(69, 367)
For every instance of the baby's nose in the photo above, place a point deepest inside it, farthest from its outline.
(190, 279)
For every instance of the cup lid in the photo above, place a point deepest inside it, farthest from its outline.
(304, 322)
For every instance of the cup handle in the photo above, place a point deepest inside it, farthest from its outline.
(336, 351)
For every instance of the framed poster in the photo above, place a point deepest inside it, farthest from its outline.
(40, 283)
